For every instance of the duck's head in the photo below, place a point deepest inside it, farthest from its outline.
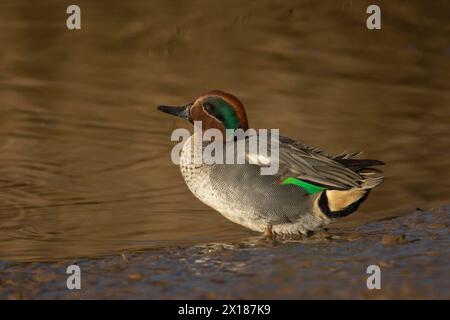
(216, 109)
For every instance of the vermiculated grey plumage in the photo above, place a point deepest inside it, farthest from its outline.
(246, 197)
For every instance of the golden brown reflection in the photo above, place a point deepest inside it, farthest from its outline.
(85, 157)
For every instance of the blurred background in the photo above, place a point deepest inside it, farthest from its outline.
(85, 165)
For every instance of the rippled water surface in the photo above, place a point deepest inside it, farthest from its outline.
(85, 164)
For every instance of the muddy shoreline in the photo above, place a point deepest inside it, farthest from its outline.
(412, 252)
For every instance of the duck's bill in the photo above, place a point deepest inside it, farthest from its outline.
(182, 112)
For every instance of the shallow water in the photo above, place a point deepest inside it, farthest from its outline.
(85, 164)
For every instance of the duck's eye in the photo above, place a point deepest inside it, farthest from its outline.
(208, 107)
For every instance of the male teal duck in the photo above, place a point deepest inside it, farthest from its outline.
(310, 189)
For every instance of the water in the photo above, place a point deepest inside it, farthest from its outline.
(85, 164)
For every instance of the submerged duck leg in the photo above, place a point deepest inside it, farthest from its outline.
(268, 232)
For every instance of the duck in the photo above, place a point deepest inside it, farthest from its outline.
(310, 189)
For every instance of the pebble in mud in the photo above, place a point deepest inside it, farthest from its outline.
(135, 276)
(386, 264)
(390, 239)
(437, 226)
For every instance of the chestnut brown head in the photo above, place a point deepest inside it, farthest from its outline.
(216, 109)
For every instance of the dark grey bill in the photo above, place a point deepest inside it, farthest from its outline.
(182, 112)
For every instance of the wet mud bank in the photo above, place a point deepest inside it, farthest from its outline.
(412, 252)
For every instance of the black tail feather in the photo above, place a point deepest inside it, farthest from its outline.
(357, 164)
